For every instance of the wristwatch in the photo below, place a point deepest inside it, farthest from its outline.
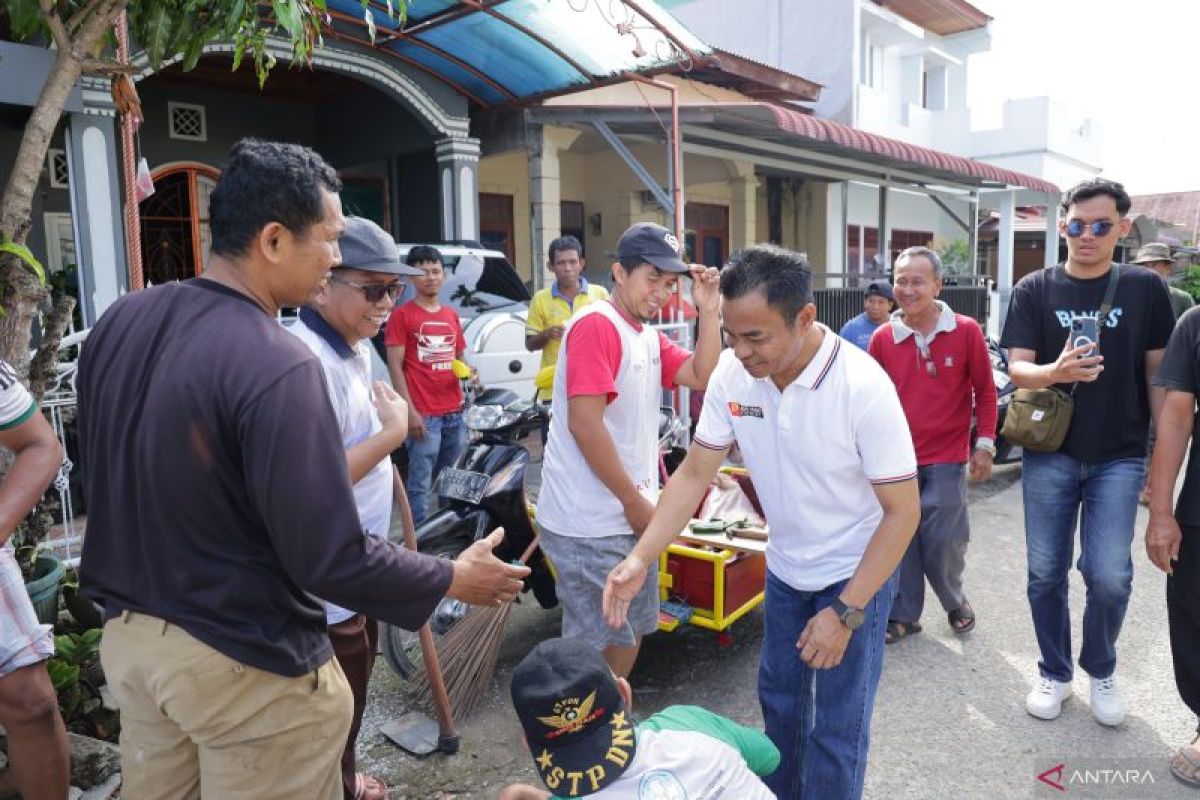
(850, 616)
(986, 447)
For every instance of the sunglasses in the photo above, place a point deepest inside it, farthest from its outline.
(1100, 227)
(373, 292)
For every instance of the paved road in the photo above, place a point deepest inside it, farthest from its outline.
(949, 720)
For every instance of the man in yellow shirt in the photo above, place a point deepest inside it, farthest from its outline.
(551, 308)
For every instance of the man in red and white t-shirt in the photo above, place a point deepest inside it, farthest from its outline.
(423, 339)
(600, 472)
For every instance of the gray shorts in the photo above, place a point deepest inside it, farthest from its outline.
(582, 566)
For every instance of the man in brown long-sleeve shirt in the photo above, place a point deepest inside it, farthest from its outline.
(220, 507)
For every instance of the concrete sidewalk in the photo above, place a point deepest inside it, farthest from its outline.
(949, 720)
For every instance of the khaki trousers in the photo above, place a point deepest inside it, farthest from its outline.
(198, 724)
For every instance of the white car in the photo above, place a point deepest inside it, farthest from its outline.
(493, 303)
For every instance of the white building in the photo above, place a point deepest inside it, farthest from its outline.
(899, 69)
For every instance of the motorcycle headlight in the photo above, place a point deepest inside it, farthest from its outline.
(488, 417)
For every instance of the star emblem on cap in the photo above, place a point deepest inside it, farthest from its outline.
(544, 760)
(618, 720)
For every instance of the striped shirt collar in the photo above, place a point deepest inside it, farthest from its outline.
(822, 361)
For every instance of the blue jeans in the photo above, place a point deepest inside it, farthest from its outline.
(1102, 497)
(445, 439)
(819, 719)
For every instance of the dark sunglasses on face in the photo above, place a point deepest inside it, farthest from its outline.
(373, 292)
(1100, 227)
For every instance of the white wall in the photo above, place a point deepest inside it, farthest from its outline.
(1042, 137)
(815, 39)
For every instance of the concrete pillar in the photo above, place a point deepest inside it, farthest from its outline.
(743, 207)
(458, 186)
(1007, 206)
(545, 143)
(1052, 211)
(96, 214)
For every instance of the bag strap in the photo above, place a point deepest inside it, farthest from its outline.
(1110, 293)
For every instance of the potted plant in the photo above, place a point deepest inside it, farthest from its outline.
(43, 573)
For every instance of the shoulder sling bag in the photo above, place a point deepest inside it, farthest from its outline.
(1038, 419)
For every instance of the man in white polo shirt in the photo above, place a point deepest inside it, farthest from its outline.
(825, 439)
(346, 312)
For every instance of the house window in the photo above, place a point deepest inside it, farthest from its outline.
(871, 64)
(496, 223)
(186, 121)
(56, 168)
(571, 220)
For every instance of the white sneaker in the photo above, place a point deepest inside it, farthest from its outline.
(1108, 704)
(1046, 699)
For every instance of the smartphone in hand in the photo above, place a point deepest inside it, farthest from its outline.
(1084, 331)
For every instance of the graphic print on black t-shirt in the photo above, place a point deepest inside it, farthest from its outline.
(1112, 413)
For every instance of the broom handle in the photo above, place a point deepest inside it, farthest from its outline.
(437, 684)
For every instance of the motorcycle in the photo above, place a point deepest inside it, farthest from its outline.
(485, 490)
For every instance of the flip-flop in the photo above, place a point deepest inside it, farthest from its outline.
(368, 787)
(900, 630)
(963, 614)
(1186, 768)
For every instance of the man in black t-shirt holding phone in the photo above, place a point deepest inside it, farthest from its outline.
(1097, 473)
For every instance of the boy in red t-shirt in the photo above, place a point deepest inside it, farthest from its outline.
(423, 339)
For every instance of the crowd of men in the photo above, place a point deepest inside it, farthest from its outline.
(241, 592)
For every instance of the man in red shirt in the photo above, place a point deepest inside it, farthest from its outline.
(939, 362)
(423, 339)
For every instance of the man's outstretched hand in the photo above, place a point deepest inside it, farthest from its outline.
(623, 584)
(481, 579)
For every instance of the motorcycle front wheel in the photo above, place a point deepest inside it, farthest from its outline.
(402, 648)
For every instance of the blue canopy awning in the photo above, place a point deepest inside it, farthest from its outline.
(513, 52)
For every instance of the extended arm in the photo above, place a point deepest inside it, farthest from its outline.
(38, 457)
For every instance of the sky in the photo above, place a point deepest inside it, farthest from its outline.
(1128, 65)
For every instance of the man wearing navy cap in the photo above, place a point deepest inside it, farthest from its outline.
(337, 324)
(877, 307)
(600, 473)
(580, 730)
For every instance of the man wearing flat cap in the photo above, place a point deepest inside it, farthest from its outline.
(1157, 256)
(337, 324)
(877, 308)
(600, 473)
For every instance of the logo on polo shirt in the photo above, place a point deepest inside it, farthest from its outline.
(739, 410)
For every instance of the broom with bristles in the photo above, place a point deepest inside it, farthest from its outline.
(468, 653)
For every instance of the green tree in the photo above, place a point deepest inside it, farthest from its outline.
(80, 31)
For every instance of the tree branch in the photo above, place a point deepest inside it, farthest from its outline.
(82, 13)
(98, 66)
(62, 40)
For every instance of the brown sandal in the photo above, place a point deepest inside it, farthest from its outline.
(368, 787)
(1185, 766)
(900, 630)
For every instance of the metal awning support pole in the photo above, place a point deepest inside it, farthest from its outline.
(882, 249)
(1004, 266)
(973, 231)
(1051, 243)
(631, 161)
(676, 169)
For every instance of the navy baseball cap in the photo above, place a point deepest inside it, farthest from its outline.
(879, 288)
(576, 724)
(653, 244)
(368, 247)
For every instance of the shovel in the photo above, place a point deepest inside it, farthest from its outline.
(415, 732)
